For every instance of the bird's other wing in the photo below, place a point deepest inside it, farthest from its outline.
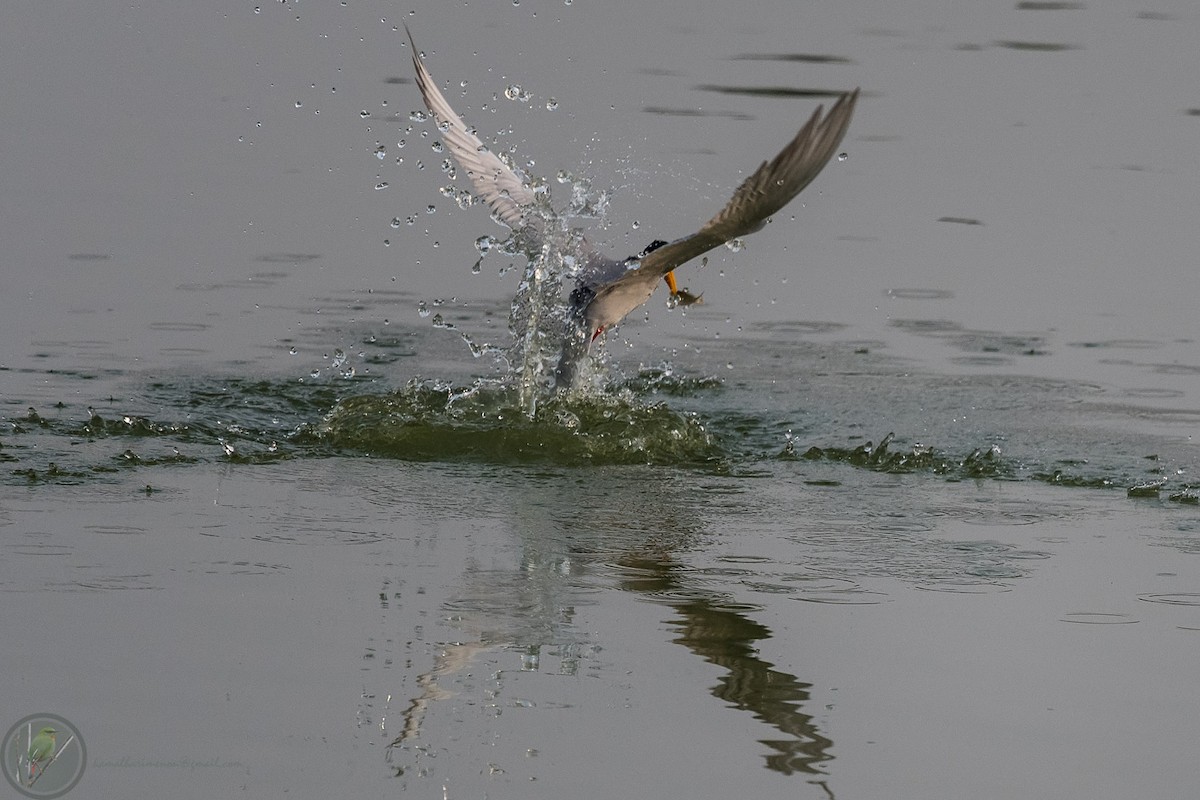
(495, 182)
(770, 188)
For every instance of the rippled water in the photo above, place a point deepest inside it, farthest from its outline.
(838, 405)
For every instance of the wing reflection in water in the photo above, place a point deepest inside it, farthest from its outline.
(720, 634)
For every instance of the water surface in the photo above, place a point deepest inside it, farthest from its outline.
(904, 508)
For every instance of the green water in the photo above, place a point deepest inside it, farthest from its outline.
(838, 408)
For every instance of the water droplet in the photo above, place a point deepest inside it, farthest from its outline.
(292, 351)
(513, 91)
(430, 209)
(364, 114)
(735, 245)
(422, 309)
(551, 104)
(484, 243)
(843, 156)
(381, 185)
(438, 147)
(636, 225)
(381, 152)
(418, 116)
(299, 104)
(395, 222)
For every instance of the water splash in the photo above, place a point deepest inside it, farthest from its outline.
(655, 417)
(538, 325)
(986, 462)
(489, 421)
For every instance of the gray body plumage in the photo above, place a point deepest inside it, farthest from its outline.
(608, 289)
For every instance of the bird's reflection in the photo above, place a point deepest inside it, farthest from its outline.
(618, 523)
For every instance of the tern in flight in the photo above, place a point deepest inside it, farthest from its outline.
(608, 289)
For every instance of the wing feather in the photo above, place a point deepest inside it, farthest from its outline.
(495, 183)
(772, 186)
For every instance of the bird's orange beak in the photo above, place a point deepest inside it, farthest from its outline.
(670, 279)
(680, 298)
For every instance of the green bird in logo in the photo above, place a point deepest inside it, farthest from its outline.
(41, 750)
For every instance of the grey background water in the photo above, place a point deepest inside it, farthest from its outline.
(204, 225)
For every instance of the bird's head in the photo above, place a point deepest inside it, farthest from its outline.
(650, 248)
(47, 732)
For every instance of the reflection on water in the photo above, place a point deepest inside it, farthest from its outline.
(723, 635)
(641, 530)
(617, 525)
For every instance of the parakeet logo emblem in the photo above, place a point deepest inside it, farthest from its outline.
(44, 756)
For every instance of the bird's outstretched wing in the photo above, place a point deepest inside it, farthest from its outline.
(770, 188)
(496, 183)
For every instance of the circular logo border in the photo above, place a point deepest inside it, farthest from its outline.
(63, 725)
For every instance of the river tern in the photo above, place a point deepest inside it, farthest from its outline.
(608, 289)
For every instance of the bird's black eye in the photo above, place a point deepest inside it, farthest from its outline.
(580, 297)
(650, 248)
